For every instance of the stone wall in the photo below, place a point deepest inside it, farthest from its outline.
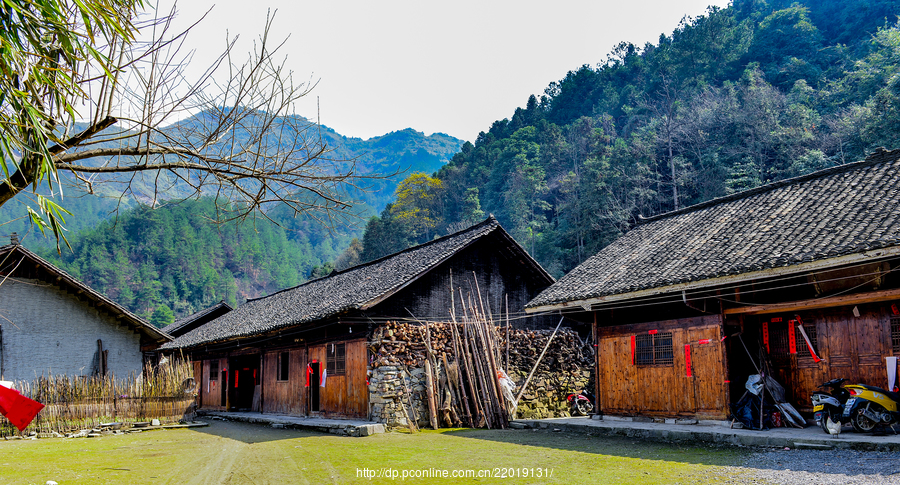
(395, 392)
(397, 375)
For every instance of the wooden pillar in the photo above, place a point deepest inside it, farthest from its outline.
(597, 409)
(262, 382)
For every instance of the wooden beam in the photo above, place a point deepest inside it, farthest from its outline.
(710, 283)
(855, 299)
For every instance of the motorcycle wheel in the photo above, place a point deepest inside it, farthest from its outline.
(822, 425)
(861, 423)
(583, 408)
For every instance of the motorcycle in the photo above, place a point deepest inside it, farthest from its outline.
(581, 403)
(830, 404)
(869, 406)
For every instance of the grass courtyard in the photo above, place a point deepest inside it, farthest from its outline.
(238, 453)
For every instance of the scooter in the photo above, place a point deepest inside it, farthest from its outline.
(581, 403)
(869, 406)
(830, 404)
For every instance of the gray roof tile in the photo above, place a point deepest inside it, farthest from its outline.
(834, 212)
(351, 289)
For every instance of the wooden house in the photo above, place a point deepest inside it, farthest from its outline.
(675, 301)
(51, 323)
(302, 351)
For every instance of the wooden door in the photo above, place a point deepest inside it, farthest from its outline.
(284, 381)
(707, 371)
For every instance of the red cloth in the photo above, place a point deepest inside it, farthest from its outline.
(18, 409)
(808, 344)
(687, 359)
(792, 336)
(632, 350)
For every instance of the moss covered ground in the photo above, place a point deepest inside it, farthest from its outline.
(227, 452)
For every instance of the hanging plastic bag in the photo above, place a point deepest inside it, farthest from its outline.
(507, 388)
(754, 384)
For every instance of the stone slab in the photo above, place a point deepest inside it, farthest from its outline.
(778, 437)
(343, 427)
(812, 446)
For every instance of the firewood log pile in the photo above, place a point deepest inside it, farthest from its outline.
(453, 384)
(567, 352)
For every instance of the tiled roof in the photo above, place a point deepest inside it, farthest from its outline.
(8, 257)
(356, 288)
(835, 212)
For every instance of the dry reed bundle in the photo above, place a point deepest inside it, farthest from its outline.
(163, 392)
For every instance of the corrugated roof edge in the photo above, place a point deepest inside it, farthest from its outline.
(880, 155)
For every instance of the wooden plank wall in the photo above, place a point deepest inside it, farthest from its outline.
(284, 397)
(850, 347)
(347, 395)
(211, 392)
(664, 390)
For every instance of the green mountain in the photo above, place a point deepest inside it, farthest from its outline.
(739, 97)
(174, 256)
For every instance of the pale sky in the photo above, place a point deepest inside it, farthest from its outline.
(452, 67)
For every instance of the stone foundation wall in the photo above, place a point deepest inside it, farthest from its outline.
(397, 375)
(395, 392)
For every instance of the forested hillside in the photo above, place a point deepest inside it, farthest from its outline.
(172, 260)
(399, 152)
(745, 95)
(173, 256)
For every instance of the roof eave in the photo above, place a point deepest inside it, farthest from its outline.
(588, 303)
(142, 327)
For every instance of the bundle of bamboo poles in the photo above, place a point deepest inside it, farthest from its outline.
(464, 388)
(79, 402)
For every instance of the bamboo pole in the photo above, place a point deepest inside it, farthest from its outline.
(506, 367)
(538, 362)
(460, 367)
(429, 391)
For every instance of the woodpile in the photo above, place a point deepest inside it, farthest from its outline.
(567, 351)
(454, 373)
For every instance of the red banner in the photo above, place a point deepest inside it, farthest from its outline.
(653, 332)
(704, 341)
(792, 336)
(766, 335)
(687, 359)
(632, 349)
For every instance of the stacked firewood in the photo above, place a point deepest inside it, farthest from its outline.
(464, 379)
(402, 343)
(568, 352)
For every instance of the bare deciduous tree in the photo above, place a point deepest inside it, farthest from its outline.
(232, 133)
